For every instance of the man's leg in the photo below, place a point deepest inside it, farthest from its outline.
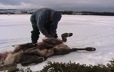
(35, 34)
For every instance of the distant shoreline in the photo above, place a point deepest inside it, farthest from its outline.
(20, 11)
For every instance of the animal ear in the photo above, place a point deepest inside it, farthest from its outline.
(13, 45)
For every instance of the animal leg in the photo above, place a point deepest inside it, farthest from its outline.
(64, 51)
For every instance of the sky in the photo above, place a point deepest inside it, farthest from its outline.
(78, 5)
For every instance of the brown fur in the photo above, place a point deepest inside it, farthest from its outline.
(48, 47)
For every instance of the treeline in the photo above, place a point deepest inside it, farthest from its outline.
(30, 11)
(87, 13)
(98, 13)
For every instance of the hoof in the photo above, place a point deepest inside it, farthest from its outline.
(90, 49)
(65, 35)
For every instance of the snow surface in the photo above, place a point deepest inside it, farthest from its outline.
(88, 30)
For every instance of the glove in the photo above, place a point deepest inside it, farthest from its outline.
(48, 36)
(34, 44)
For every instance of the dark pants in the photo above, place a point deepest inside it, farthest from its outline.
(35, 34)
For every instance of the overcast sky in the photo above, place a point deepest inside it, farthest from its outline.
(91, 5)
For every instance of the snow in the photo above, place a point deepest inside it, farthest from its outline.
(88, 31)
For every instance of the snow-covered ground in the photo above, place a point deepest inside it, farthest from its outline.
(94, 31)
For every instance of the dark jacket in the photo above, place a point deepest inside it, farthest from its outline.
(41, 19)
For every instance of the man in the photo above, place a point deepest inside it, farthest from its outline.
(44, 20)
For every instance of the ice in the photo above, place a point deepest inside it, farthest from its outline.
(88, 31)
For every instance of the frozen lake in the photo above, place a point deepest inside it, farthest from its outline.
(88, 30)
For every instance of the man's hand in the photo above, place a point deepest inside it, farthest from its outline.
(34, 44)
(48, 36)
